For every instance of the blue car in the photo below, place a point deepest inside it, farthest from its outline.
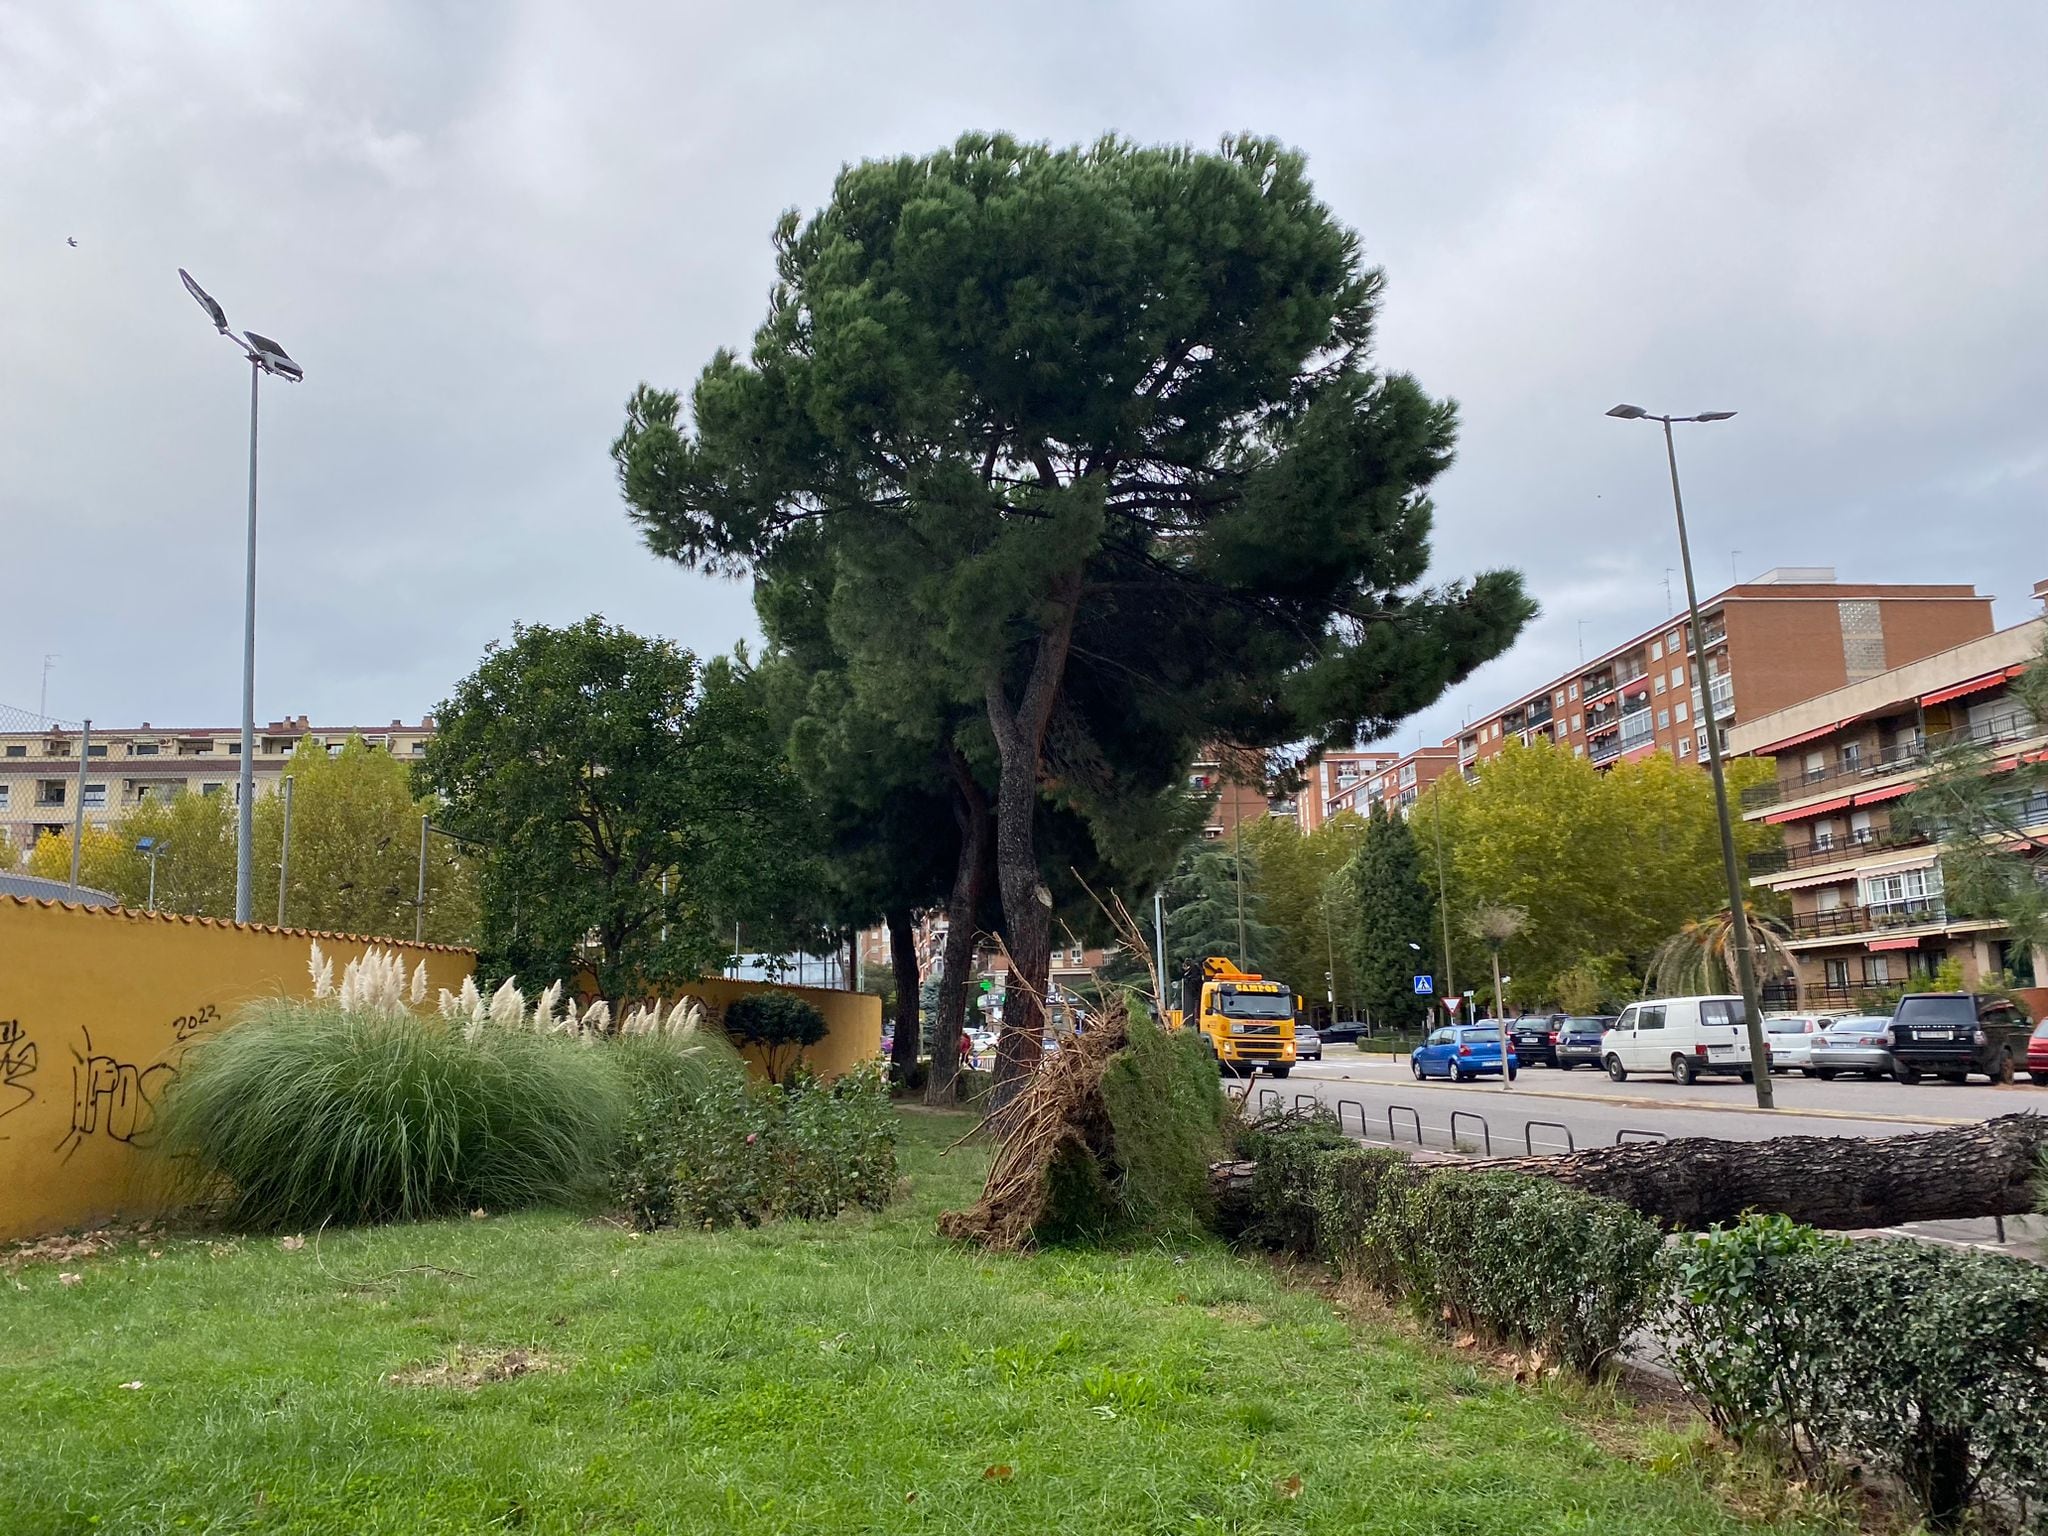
(1461, 1052)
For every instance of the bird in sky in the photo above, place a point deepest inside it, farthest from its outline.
(72, 241)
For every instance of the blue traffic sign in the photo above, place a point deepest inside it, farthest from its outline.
(1425, 986)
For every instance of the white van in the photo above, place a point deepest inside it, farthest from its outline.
(1685, 1036)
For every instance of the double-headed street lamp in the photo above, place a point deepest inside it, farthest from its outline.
(264, 356)
(1745, 962)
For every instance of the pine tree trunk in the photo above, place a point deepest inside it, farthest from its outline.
(963, 908)
(1019, 728)
(903, 963)
(1844, 1183)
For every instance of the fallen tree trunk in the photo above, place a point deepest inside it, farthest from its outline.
(1840, 1182)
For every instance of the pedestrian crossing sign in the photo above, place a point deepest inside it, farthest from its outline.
(1425, 986)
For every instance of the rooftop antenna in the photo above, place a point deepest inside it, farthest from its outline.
(43, 702)
(1669, 609)
(1582, 642)
(1733, 556)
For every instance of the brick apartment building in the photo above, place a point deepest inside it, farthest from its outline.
(124, 767)
(1788, 635)
(1866, 895)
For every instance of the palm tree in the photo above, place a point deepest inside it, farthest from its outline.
(1700, 957)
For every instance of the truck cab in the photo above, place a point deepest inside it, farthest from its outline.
(1246, 1019)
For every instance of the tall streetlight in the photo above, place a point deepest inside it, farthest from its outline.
(1745, 962)
(149, 848)
(264, 356)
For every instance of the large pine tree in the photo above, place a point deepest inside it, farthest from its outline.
(1392, 913)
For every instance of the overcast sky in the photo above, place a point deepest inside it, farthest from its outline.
(478, 227)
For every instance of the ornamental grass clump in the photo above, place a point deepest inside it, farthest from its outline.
(355, 1108)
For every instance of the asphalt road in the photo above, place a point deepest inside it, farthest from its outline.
(1547, 1111)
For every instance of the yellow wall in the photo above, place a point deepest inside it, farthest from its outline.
(853, 1020)
(96, 1006)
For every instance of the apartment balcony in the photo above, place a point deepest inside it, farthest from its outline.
(1722, 688)
(1605, 750)
(1850, 922)
(1714, 633)
(1998, 731)
(1824, 997)
(1591, 688)
(1539, 713)
(1774, 861)
(1637, 730)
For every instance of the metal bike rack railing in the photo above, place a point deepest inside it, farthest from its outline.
(1267, 1096)
(1411, 1114)
(1363, 1133)
(1625, 1135)
(1307, 1101)
(1529, 1135)
(1485, 1130)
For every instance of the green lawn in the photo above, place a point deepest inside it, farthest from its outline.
(858, 1376)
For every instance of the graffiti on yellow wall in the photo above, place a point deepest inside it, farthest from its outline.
(96, 1009)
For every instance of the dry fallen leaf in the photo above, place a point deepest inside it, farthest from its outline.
(1465, 1341)
(156, 1253)
(479, 1214)
(291, 1244)
(131, 1386)
(1289, 1487)
(1000, 1473)
(69, 1279)
(910, 1498)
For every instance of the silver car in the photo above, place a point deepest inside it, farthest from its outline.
(1861, 1043)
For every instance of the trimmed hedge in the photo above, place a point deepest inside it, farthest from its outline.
(1929, 1362)
(1524, 1259)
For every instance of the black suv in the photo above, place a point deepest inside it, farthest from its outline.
(1536, 1040)
(1957, 1033)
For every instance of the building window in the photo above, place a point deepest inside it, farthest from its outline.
(1877, 969)
(17, 751)
(1660, 682)
(210, 789)
(1836, 974)
(5, 794)
(1671, 642)
(1685, 746)
(50, 792)
(96, 749)
(1678, 677)
(1573, 690)
(1701, 736)
(1578, 722)
(1852, 756)
(1678, 711)
(142, 749)
(95, 796)
(1663, 719)
(1558, 698)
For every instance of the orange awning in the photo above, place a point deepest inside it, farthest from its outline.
(1879, 796)
(1975, 685)
(1809, 810)
(1893, 944)
(1803, 737)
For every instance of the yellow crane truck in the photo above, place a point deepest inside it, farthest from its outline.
(1247, 1020)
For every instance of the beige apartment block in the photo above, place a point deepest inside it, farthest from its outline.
(1868, 910)
(125, 766)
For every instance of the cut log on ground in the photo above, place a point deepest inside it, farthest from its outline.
(1839, 1182)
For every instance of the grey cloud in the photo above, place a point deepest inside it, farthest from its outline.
(478, 228)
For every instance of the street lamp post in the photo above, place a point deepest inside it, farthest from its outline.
(1745, 960)
(150, 847)
(264, 356)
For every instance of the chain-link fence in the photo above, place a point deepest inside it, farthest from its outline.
(148, 818)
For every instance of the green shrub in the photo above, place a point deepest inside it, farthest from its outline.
(1930, 1362)
(668, 1079)
(304, 1114)
(782, 1026)
(1524, 1259)
(1166, 1113)
(734, 1153)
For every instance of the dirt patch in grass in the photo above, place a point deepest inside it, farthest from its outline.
(68, 1247)
(468, 1369)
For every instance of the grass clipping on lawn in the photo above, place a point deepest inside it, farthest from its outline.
(1116, 1130)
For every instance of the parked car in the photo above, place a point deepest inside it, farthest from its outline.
(1955, 1034)
(1308, 1044)
(1342, 1031)
(1791, 1036)
(1859, 1043)
(1461, 1052)
(1685, 1036)
(1536, 1041)
(1575, 1042)
(2037, 1054)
